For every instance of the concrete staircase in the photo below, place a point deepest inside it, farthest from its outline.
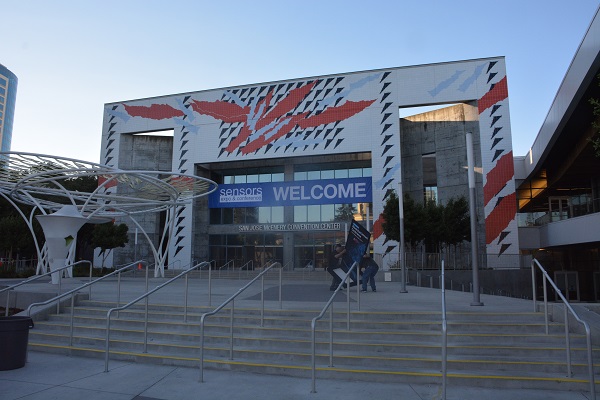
(485, 349)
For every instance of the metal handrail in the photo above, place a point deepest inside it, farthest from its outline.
(60, 296)
(251, 263)
(142, 297)
(444, 336)
(243, 268)
(219, 308)
(36, 277)
(313, 325)
(226, 265)
(568, 307)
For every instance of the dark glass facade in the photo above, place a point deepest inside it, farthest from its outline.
(8, 97)
(294, 249)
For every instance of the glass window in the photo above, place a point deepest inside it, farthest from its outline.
(276, 215)
(239, 215)
(2, 81)
(314, 175)
(328, 174)
(215, 239)
(300, 176)
(367, 172)
(355, 173)
(2, 91)
(239, 179)
(341, 173)
(264, 178)
(314, 213)
(278, 177)
(215, 216)
(251, 215)
(235, 240)
(228, 179)
(252, 179)
(430, 193)
(300, 214)
(264, 215)
(228, 215)
(328, 212)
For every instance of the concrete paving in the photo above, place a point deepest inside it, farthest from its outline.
(50, 376)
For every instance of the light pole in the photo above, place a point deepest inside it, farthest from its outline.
(473, 216)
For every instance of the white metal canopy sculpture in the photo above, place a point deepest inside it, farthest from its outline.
(41, 181)
(60, 229)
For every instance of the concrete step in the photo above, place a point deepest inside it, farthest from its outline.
(470, 320)
(482, 347)
(344, 354)
(507, 379)
(489, 353)
(358, 321)
(303, 332)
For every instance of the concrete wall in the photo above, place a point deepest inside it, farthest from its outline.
(443, 132)
(148, 153)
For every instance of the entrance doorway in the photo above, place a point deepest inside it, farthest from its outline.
(568, 283)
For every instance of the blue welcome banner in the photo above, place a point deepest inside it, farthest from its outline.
(330, 191)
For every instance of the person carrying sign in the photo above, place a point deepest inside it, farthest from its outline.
(369, 269)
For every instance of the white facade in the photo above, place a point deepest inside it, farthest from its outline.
(328, 115)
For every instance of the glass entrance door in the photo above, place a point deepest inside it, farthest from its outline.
(568, 283)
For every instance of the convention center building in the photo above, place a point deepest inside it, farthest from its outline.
(296, 160)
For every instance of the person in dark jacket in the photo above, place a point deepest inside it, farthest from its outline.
(369, 269)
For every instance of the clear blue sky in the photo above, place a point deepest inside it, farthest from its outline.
(73, 56)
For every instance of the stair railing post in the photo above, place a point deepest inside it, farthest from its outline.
(201, 379)
(59, 292)
(533, 288)
(118, 292)
(72, 317)
(231, 330)
(546, 304)
(185, 305)
(280, 287)
(209, 284)
(146, 327)
(348, 302)
(106, 345)
(262, 301)
(444, 334)
(331, 336)
(312, 358)
(90, 287)
(567, 342)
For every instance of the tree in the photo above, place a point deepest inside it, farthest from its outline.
(414, 219)
(345, 212)
(391, 217)
(433, 224)
(109, 236)
(15, 237)
(457, 221)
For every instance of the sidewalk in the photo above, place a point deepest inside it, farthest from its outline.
(47, 376)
